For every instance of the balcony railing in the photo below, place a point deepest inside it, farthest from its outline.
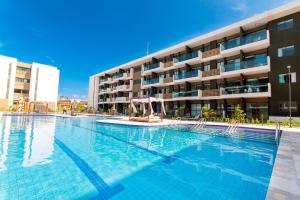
(151, 66)
(103, 79)
(122, 87)
(210, 53)
(244, 89)
(186, 56)
(105, 90)
(184, 75)
(185, 94)
(256, 62)
(151, 81)
(121, 99)
(252, 37)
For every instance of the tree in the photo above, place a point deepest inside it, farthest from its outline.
(239, 114)
(80, 107)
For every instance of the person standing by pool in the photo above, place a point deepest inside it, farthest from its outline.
(64, 110)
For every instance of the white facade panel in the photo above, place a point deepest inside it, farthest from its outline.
(44, 83)
(5, 63)
(92, 92)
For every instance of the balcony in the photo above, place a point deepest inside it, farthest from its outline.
(168, 64)
(121, 76)
(23, 74)
(120, 99)
(259, 64)
(22, 86)
(211, 93)
(149, 68)
(104, 80)
(168, 80)
(193, 75)
(212, 72)
(105, 90)
(211, 55)
(253, 91)
(187, 95)
(188, 58)
(123, 87)
(154, 95)
(152, 82)
(250, 42)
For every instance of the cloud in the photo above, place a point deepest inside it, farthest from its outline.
(240, 6)
(50, 59)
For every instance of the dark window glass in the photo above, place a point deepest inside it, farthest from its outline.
(137, 81)
(285, 25)
(286, 51)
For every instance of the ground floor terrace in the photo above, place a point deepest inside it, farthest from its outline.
(255, 108)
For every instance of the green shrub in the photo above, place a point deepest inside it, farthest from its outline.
(207, 113)
(239, 114)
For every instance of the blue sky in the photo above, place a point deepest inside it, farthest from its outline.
(86, 37)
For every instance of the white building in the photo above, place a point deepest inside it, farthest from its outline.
(27, 82)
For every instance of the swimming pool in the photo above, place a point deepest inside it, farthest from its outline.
(77, 158)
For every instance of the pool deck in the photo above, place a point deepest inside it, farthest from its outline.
(285, 179)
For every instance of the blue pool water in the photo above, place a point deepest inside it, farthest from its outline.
(64, 158)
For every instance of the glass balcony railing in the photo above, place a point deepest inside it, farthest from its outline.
(255, 62)
(253, 37)
(103, 79)
(119, 75)
(245, 89)
(185, 94)
(151, 66)
(184, 75)
(151, 81)
(186, 56)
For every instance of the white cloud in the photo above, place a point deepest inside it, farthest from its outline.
(240, 6)
(50, 59)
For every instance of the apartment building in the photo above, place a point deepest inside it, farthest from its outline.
(22, 83)
(243, 64)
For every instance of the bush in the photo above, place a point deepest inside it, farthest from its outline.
(207, 113)
(180, 112)
(239, 114)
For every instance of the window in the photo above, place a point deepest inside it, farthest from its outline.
(23, 69)
(137, 81)
(196, 109)
(284, 78)
(220, 65)
(137, 94)
(206, 67)
(22, 80)
(21, 91)
(285, 25)
(286, 51)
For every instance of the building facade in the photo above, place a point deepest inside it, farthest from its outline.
(22, 83)
(243, 64)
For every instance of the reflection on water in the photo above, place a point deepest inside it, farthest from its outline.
(25, 141)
